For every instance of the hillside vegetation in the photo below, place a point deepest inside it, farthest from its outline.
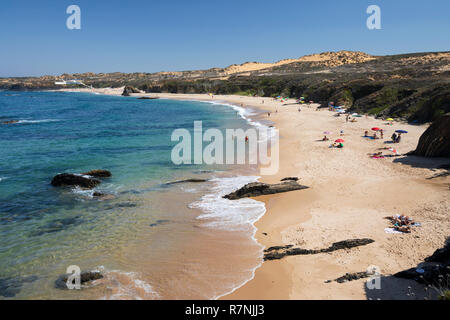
(415, 86)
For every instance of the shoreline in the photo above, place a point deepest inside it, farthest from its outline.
(347, 199)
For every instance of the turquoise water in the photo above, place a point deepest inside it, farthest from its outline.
(45, 229)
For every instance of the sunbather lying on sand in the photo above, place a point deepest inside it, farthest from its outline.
(401, 220)
(405, 229)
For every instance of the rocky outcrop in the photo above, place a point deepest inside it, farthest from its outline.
(441, 255)
(193, 180)
(10, 122)
(148, 98)
(85, 277)
(435, 141)
(70, 179)
(258, 189)
(352, 276)
(290, 179)
(279, 252)
(432, 275)
(128, 90)
(99, 173)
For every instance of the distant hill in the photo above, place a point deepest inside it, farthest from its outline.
(413, 86)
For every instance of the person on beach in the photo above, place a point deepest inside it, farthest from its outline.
(366, 134)
(342, 132)
(381, 133)
(337, 145)
(375, 136)
(325, 138)
(399, 137)
(268, 114)
(394, 137)
(246, 138)
(346, 118)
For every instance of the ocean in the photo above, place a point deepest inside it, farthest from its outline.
(151, 239)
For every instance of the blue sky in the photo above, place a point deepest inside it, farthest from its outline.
(154, 35)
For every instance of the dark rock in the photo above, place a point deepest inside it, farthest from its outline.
(278, 248)
(187, 181)
(441, 255)
(57, 225)
(258, 189)
(433, 275)
(353, 276)
(274, 253)
(10, 122)
(290, 179)
(103, 196)
(85, 276)
(10, 287)
(435, 141)
(159, 222)
(148, 98)
(70, 179)
(129, 89)
(99, 173)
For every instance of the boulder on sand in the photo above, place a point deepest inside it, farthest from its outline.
(258, 189)
(70, 179)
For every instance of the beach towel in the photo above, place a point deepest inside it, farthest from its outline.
(392, 230)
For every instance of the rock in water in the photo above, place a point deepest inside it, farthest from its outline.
(70, 179)
(193, 180)
(85, 276)
(10, 122)
(99, 173)
(435, 141)
(129, 89)
(258, 189)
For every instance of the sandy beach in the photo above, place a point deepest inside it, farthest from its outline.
(349, 196)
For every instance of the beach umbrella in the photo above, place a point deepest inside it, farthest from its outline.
(357, 116)
(401, 131)
(389, 119)
(376, 129)
(339, 140)
(327, 132)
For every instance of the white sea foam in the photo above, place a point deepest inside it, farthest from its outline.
(127, 285)
(229, 214)
(265, 132)
(37, 121)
